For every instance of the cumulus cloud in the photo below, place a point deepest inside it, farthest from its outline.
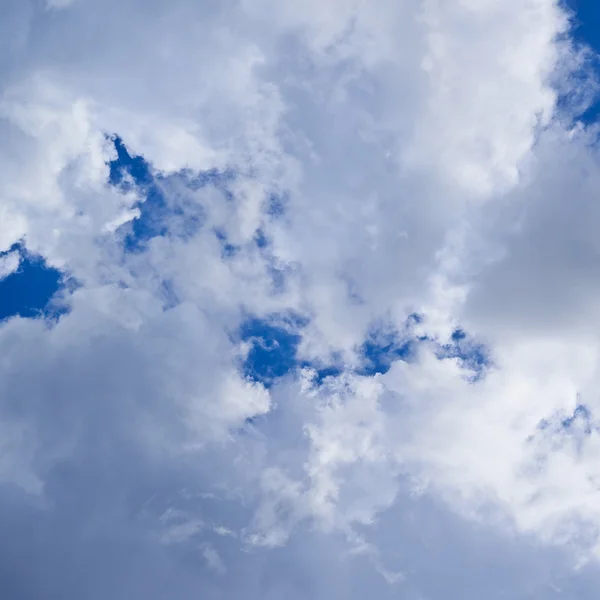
(405, 191)
(9, 263)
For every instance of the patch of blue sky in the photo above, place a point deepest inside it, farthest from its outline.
(385, 344)
(173, 214)
(29, 291)
(129, 172)
(586, 30)
(160, 214)
(274, 348)
(379, 351)
(128, 169)
(473, 355)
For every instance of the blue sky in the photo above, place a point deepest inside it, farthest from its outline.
(299, 300)
(28, 291)
(587, 16)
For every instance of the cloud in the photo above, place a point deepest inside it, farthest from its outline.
(325, 277)
(9, 264)
(58, 3)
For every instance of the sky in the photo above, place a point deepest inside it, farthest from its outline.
(299, 300)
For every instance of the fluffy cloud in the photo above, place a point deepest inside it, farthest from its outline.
(333, 169)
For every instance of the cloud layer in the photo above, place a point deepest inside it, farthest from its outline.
(327, 321)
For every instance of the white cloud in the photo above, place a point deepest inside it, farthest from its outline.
(424, 166)
(9, 263)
